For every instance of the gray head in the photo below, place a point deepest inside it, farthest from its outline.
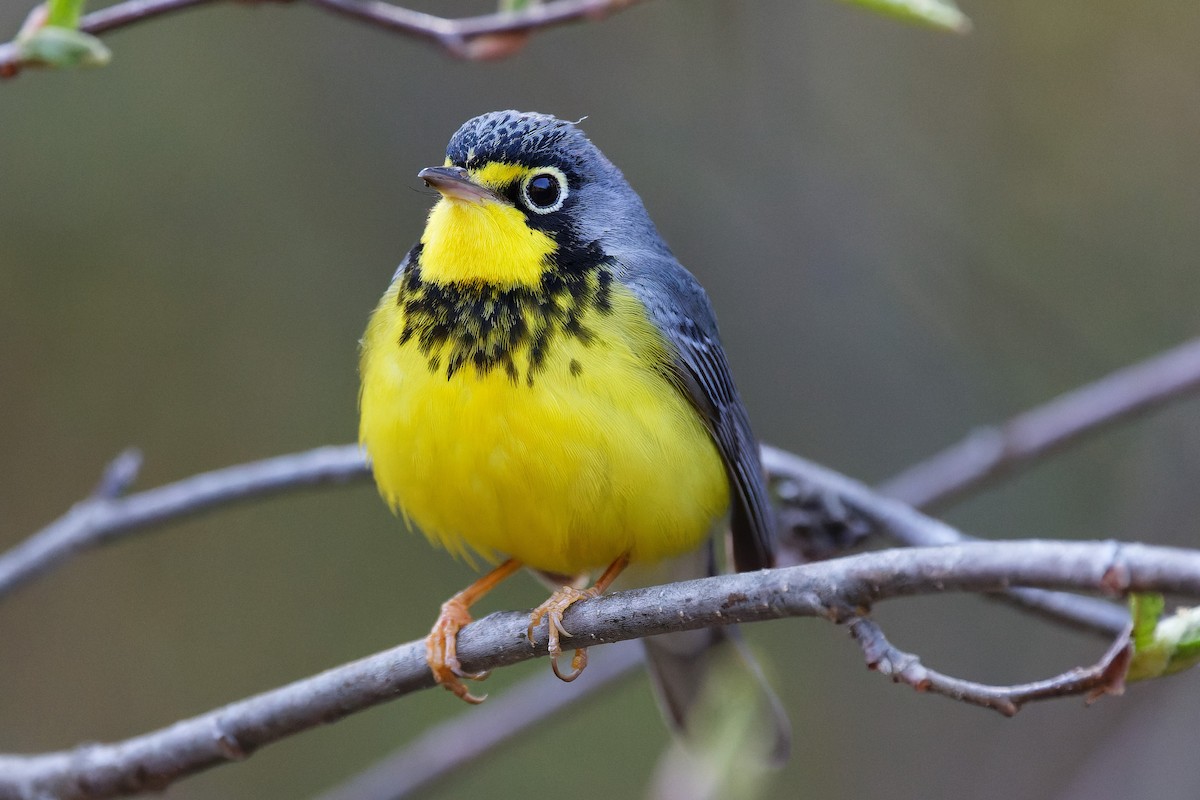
(513, 137)
(551, 171)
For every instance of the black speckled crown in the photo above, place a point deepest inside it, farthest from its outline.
(516, 137)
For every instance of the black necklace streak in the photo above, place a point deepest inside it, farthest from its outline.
(485, 326)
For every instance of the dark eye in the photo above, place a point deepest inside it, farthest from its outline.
(545, 191)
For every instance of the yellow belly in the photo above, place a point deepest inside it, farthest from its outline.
(599, 456)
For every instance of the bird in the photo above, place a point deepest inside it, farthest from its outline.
(543, 386)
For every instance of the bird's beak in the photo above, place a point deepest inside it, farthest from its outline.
(456, 183)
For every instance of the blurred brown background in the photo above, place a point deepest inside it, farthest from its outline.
(905, 234)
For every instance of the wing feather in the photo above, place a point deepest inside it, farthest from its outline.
(681, 310)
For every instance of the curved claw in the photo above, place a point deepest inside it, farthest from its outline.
(578, 662)
(459, 689)
(552, 611)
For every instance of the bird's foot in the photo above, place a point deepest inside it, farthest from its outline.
(552, 611)
(441, 651)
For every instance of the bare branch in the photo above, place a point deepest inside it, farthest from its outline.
(101, 519)
(476, 37)
(837, 590)
(1105, 677)
(990, 453)
(918, 530)
(442, 749)
(480, 37)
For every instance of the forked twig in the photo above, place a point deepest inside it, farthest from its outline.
(1107, 676)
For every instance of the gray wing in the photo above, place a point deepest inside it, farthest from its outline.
(680, 308)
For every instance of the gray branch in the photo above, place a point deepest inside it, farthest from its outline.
(1107, 676)
(441, 750)
(104, 517)
(996, 451)
(837, 590)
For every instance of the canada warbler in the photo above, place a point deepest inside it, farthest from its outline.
(543, 382)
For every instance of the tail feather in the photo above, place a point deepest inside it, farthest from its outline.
(680, 665)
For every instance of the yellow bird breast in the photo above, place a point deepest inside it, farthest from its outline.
(554, 440)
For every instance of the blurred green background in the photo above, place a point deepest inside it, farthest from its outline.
(905, 234)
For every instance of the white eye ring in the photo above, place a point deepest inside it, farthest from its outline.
(548, 208)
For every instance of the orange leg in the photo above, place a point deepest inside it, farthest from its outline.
(441, 646)
(553, 609)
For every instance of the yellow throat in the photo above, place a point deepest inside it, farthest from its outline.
(485, 242)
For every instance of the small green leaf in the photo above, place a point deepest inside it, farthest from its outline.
(1162, 647)
(62, 47)
(64, 13)
(1145, 609)
(940, 14)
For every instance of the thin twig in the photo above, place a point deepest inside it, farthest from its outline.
(441, 750)
(837, 590)
(131, 11)
(1105, 677)
(484, 36)
(120, 475)
(992, 452)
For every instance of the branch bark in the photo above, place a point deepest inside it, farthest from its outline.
(837, 590)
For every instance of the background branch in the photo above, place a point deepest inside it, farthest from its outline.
(837, 590)
(992, 452)
(915, 529)
(484, 36)
(103, 518)
(441, 750)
